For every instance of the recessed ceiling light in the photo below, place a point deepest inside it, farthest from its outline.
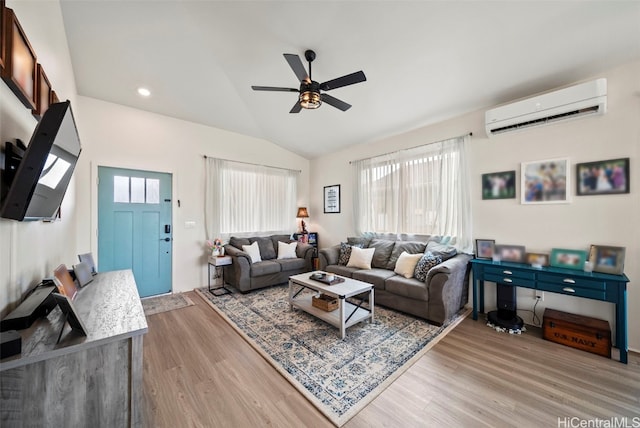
(144, 92)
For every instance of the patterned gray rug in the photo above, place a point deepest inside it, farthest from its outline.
(169, 302)
(339, 377)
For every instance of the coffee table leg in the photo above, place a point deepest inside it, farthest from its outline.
(290, 295)
(371, 303)
(342, 316)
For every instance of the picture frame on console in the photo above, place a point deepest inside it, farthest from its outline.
(607, 259)
(569, 259)
(485, 248)
(537, 259)
(511, 253)
(332, 199)
(545, 181)
(605, 177)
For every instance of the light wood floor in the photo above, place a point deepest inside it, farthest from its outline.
(198, 372)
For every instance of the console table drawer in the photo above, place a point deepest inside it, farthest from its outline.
(510, 273)
(570, 281)
(506, 279)
(572, 290)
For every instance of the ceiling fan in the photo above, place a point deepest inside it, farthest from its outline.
(310, 95)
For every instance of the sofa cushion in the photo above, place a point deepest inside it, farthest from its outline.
(280, 238)
(254, 252)
(374, 276)
(264, 268)
(411, 247)
(407, 287)
(426, 262)
(267, 251)
(383, 252)
(341, 270)
(361, 257)
(291, 264)
(238, 242)
(406, 264)
(444, 251)
(362, 241)
(287, 251)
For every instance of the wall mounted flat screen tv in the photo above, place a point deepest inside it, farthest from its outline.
(42, 176)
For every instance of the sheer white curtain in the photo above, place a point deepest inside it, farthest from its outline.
(423, 190)
(244, 200)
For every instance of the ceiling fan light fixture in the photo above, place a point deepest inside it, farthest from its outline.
(310, 99)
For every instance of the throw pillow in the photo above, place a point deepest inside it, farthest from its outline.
(345, 253)
(287, 251)
(444, 251)
(267, 250)
(426, 262)
(361, 257)
(254, 252)
(406, 264)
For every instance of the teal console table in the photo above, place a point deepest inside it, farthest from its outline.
(591, 285)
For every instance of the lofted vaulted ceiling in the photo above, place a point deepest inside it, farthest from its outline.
(425, 61)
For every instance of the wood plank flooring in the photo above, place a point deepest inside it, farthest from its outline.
(198, 372)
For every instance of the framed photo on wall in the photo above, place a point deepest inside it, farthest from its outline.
(602, 177)
(43, 90)
(332, 199)
(2, 49)
(499, 185)
(20, 61)
(545, 182)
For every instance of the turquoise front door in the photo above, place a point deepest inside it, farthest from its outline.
(134, 226)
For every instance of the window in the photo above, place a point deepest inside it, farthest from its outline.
(245, 199)
(136, 190)
(424, 190)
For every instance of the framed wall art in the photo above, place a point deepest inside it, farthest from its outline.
(607, 259)
(511, 253)
(485, 248)
(545, 182)
(570, 259)
(499, 185)
(332, 199)
(19, 70)
(602, 177)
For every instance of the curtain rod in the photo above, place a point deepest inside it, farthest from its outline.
(409, 148)
(255, 164)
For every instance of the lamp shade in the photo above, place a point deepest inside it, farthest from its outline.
(302, 212)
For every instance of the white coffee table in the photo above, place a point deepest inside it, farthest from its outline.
(347, 313)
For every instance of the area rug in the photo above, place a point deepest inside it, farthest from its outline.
(169, 302)
(339, 377)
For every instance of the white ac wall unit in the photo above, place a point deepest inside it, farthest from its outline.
(588, 98)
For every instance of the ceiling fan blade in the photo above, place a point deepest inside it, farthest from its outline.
(271, 88)
(339, 104)
(296, 108)
(296, 65)
(349, 79)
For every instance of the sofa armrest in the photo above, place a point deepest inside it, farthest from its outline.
(448, 287)
(232, 251)
(238, 273)
(328, 256)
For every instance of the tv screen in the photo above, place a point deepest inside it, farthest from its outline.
(41, 179)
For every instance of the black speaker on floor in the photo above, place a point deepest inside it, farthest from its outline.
(506, 316)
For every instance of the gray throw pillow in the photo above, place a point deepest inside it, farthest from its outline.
(425, 263)
(411, 247)
(444, 251)
(238, 242)
(267, 252)
(382, 253)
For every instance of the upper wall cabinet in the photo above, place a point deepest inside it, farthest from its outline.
(20, 61)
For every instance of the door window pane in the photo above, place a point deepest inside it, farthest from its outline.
(153, 191)
(137, 190)
(120, 189)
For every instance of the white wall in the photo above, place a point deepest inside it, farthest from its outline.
(604, 220)
(114, 135)
(30, 251)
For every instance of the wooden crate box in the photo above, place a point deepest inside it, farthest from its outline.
(577, 331)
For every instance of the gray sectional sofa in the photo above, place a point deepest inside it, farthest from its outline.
(245, 275)
(437, 299)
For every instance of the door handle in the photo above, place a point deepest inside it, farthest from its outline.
(165, 239)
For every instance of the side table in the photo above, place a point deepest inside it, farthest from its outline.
(218, 263)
